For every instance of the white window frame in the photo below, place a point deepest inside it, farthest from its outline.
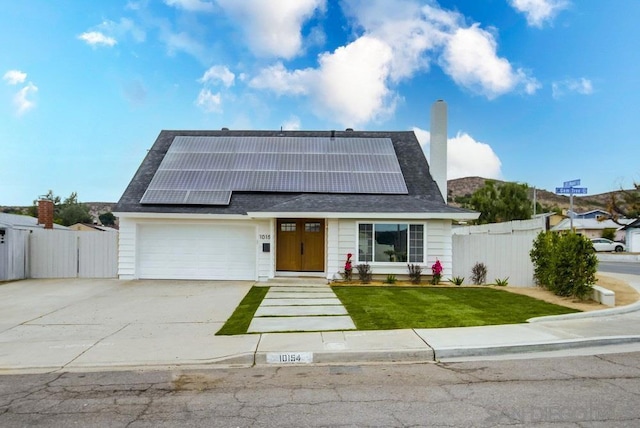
(388, 263)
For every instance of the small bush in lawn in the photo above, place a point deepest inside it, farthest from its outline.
(364, 272)
(457, 280)
(415, 273)
(479, 273)
(391, 279)
(564, 264)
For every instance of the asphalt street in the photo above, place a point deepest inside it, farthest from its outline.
(589, 391)
(629, 268)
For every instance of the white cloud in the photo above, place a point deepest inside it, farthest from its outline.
(121, 29)
(354, 84)
(538, 12)
(96, 38)
(581, 86)
(22, 99)
(470, 58)
(191, 5)
(349, 85)
(209, 102)
(218, 73)
(291, 124)
(183, 42)
(282, 81)
(272, 29)
(466, 157)
(13, 77)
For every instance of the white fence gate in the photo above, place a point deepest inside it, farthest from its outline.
(71, 254)
(14, 246)
(503, 248)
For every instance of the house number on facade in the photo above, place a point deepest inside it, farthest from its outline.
(265, 236)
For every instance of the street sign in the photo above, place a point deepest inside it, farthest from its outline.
(571, 183)
(571, 190)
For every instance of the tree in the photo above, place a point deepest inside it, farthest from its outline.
(626, 203)
(107, 219)
(499, 203)
(69, 212)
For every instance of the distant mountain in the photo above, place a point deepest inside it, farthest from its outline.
(465, 187)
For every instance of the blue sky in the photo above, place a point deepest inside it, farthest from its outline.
(539, 91)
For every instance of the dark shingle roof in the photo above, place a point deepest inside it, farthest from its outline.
(423, 194)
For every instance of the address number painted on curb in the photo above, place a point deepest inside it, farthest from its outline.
(290, 357)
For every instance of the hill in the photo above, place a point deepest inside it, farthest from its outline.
(465, 187)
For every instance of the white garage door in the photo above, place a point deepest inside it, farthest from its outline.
(170, 251)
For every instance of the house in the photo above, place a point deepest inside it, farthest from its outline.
(632, 236)
(592, 228)
(593, 214)
(88, 227)
(253, 205)
(24, 222)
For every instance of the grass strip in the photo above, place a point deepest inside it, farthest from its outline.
(386, 308)
(238, 322)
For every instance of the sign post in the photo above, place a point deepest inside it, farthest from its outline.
(568, 188)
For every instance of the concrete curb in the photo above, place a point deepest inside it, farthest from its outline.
(634, 307)
(461, 352)
(358, 357)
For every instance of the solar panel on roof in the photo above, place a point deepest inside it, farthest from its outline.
(205, 170)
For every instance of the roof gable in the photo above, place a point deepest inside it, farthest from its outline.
(422, 194)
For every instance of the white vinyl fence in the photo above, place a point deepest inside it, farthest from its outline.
(72, 254)
(14, 246)
(503, 248)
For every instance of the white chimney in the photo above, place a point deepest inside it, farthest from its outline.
(438, 146)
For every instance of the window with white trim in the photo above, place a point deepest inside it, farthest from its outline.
(391, 242)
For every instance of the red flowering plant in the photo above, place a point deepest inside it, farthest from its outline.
(436, 271)
(348, 268)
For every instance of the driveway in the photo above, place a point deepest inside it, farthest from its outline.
(74, 323)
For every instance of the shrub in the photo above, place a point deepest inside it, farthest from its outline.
(502, 282)
(415, 273)
(364, 272)
(348, 269)
(457, 280)
(564, 264)
(479, 273)
(609, 233)
(391, 279)
(436, 272)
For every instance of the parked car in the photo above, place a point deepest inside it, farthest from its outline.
(603, 244)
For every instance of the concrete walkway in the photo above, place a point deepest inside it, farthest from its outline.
(84, 325)
(310, 307)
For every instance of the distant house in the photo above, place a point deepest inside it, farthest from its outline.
(632, 231)
(593, 214)
(592, 228)
(253, 205)
(24, 222)
(87, 227)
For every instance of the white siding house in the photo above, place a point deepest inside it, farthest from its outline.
(254, 205)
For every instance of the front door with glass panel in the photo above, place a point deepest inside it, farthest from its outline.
(300, 245)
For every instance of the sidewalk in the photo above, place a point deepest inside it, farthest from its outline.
(86, 325)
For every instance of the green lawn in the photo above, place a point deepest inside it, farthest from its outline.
(385, 308)
(239, 321)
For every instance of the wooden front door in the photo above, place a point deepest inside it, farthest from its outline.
(300, 245)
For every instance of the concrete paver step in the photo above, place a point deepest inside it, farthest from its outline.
(300, 310)
(300, 302)
(299, 295)
(310, 323)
